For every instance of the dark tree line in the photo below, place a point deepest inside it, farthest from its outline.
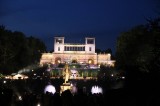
(138, 50)
(99, 51)
(18, 51)
(103, 51)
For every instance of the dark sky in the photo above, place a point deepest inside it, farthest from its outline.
(76, 19)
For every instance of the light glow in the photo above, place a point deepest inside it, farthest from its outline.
(96, 89)
(19, 97)
(74, 74)
(50, 88)
(4, 82)
(123, 77)
(38, 104)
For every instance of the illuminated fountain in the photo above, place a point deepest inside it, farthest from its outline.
(96, 90)
(74, 74)
(50, 89)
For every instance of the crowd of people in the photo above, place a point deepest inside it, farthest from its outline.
(119, 97)
(10, 96)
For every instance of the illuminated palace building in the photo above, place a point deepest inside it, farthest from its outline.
(75, 53)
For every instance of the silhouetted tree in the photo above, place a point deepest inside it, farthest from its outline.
(98, 51)
(108, 51)
(138, 50)
(18, 51)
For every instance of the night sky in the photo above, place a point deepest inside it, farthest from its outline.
(76, 19)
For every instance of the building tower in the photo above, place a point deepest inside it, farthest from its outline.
(58, 44)
(90, 45)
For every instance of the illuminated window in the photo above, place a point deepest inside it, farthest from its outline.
(76, 49)
(90, 41)
(58, 48)
(67, 48)
(90, 49)
(59, 41)
(71, 49)
(83, 49)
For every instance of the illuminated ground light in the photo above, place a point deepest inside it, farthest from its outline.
(20, 97)
(4, 82)
(96, 89)
(38, 104)
(50, 88)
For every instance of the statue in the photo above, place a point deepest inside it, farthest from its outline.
(66, 72)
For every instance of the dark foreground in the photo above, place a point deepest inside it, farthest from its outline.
(30, 93)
